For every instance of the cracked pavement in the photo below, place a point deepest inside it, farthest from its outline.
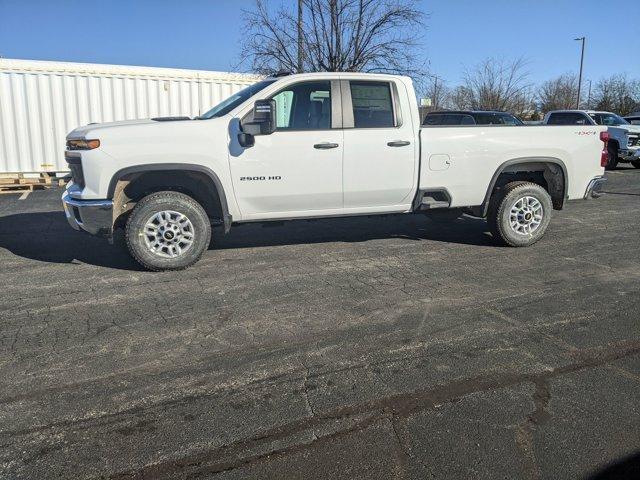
(374, 347)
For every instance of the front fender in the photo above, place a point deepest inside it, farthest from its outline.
(182, 167)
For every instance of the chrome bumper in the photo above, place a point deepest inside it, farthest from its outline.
(630, 154)
(595, 186)
(92, 216)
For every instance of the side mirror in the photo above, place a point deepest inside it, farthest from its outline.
(264, 113)
(263, 123)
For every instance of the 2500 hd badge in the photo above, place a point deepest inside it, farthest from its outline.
(251, 179)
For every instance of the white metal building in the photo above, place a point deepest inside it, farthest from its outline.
(40, 102)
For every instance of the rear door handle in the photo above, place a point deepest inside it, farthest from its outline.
(399, 143)
(325, 146)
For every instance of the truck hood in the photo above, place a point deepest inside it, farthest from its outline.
(81, 132)
(628, 128)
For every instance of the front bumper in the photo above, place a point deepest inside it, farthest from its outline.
(629, 155)
(92, 216)
(594, 189)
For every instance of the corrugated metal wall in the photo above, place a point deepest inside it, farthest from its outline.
(40, 102)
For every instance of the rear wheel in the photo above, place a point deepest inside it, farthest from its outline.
(519, 214)
(612, 150)
(167, 231)
(635, 163)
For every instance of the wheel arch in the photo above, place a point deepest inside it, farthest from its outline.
(554, 172)
(211, 189)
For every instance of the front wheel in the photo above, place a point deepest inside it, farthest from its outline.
(167, 231)
(519, 214)
(635, 163)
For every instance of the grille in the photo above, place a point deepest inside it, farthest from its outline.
(634, 141)
(76, 174)
(75, 166)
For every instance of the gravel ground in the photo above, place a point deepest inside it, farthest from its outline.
(374, 347)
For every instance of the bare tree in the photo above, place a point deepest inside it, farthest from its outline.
(460, 98)
(618, 94)
(335, 35)
(558, 94)
(495, 85)
(437, 91)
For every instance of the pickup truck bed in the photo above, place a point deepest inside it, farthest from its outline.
(464, 162)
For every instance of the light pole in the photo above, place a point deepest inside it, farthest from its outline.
(582, 39)
(300, 53)
(435, 89)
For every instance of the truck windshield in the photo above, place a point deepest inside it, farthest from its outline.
(236, 99)
(608, 119)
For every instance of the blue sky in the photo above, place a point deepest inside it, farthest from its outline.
(206, 34)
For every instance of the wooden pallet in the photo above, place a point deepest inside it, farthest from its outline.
(17, 182)
(20, 188)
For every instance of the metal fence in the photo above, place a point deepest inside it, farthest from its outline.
(40, 102)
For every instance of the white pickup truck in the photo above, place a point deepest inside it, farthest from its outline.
(318, 145)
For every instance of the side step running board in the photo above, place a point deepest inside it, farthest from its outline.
(432, 199)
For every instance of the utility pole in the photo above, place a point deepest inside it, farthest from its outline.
(581, 64)
(435, 92)
(435, 89)
(300, 42)
(589, 97)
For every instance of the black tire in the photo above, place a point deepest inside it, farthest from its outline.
(499, 213)
(444, 215)
(635, 163)
(612, 150)
(197, 222)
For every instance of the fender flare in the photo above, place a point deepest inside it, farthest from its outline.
(523, 160)
(227, 219)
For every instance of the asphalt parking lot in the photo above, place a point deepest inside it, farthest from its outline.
(377, 347)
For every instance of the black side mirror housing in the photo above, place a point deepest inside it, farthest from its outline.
(246, 140)
(264, 113)
(264, 122)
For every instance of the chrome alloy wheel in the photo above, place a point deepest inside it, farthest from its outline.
(526, 215)
(168, 234)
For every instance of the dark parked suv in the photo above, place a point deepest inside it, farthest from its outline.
(469, 117)
(633, 119)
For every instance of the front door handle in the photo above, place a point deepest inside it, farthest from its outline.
(325, 146)
(399, 143)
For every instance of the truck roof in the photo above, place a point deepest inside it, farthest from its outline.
(467, 111)
(577, 111)
(313, 75)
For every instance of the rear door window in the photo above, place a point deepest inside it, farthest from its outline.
(372, 105)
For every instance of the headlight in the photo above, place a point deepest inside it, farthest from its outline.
(82, 144)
